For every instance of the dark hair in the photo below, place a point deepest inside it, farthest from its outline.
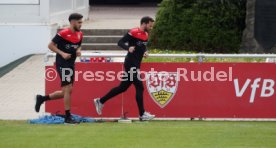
(75, 16)
(146, 20)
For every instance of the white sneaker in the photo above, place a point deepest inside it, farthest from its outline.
(146, 117)
(99, 106)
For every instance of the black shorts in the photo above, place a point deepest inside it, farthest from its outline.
(66, 74)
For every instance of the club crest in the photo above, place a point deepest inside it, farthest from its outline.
(162, 87)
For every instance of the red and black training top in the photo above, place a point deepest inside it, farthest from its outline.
(139, 39)
(68, 42)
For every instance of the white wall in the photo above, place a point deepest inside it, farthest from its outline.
(21, 12)
(44, 12)
(26, 26)
(19, 41)
(19, 2)
(60, 9)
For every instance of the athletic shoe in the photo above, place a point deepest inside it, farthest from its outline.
(71, 121)
(99, 106)
(146, 116)
(39, 101)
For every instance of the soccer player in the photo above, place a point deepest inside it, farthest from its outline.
(137, 39)
(67, 45)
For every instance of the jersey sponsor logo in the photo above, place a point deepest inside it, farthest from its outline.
(68, 46)
(162, 87)
(140, 43)
(75, 46)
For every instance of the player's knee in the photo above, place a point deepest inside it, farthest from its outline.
(140, 88)
(62, 93)
(67, 89)
(70, 89)
(122, 89)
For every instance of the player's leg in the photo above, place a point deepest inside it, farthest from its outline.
(99, 102)
(67, 87)
(67, 91)
(139, 96)
(124, 85)
(139, 87)
(41, 99)
(53, 96)
(56, 95)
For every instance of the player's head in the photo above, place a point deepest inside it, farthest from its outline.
(147, 23)
(75, 20)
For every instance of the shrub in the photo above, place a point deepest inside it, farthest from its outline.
(213, 26)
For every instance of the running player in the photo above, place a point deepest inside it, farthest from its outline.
(67, 45)
(137, 39)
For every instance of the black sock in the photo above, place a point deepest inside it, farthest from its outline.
(67, 114)
(46, 98)
(101, 101)
(141, 113)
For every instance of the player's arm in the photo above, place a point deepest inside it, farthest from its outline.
(122, 43)
(53, 47)
(79, 52)
(146, 54)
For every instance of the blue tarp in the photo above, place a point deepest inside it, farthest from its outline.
(59, 119)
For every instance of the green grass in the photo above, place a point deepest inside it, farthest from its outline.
(158, 51)
(155, 134)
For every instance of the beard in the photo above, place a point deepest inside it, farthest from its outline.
(76, 28)
(146, 30)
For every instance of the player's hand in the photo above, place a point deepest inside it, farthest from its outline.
(146, 54)
(66, 56)
(131, 49)
(78, 53)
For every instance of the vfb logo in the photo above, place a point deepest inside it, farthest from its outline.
(162, 87)
(267, 88)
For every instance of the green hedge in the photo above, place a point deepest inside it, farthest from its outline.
(199, 25)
